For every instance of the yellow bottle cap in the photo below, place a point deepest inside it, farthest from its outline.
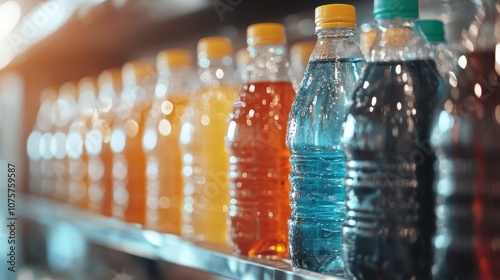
(242, 58)
(266, 34)
(301, 51)
(138, 71)
(335, 15)
(111, 77)
(174, 58)
(215, 47)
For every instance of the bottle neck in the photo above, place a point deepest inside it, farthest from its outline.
(336, 43)
(174, 82)
(108, 96)
(341, 33)
(214, 71)
(484, 31)
(399, 39)
(138, 93)
(267, 63)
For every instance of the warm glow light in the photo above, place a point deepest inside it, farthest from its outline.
(10, 14)
(165, 127)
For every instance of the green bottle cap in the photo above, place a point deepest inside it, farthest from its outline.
(433, 30)
(390, 9)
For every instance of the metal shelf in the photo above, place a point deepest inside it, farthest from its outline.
(134, 240)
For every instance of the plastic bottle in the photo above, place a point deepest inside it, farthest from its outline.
(38, 145)
(443, 55)
(318, 163)
(97, 142)
(386, 137)
(75, 142)
(466, 136)
(299, 57)
(63, 114)
(161, 141)
(205, 159)
(259, 158)
(129, 159)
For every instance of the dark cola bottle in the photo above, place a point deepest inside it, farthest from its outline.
(389, 219)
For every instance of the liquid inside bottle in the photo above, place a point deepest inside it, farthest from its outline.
(318, 163)
(75, 143)
(465, 135)
(386, 137)
(161, 142)
(390, 172)
(259, 158)
(97, 143)
(205, 160)
(129, 159)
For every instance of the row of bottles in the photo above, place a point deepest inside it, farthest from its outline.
(146, 144)
(382, 166)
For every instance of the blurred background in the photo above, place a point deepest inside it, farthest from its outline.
(48, 42)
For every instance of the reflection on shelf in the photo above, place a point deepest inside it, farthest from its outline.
(132, 239)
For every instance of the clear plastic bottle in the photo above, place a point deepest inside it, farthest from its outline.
(466, 136)
(97, 142)
(205, 159)
(318, 163)
(75, 142)
(299, 57)
(63, 114)
(443, 55)
(38, 145)
(259, 158)
(389, 219)
(161, 141)
(129, 159)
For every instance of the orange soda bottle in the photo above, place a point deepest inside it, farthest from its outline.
(164, 183)
(97, 142)
(202, 142)
(129, 160)
(75, 143)
(259, 159)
